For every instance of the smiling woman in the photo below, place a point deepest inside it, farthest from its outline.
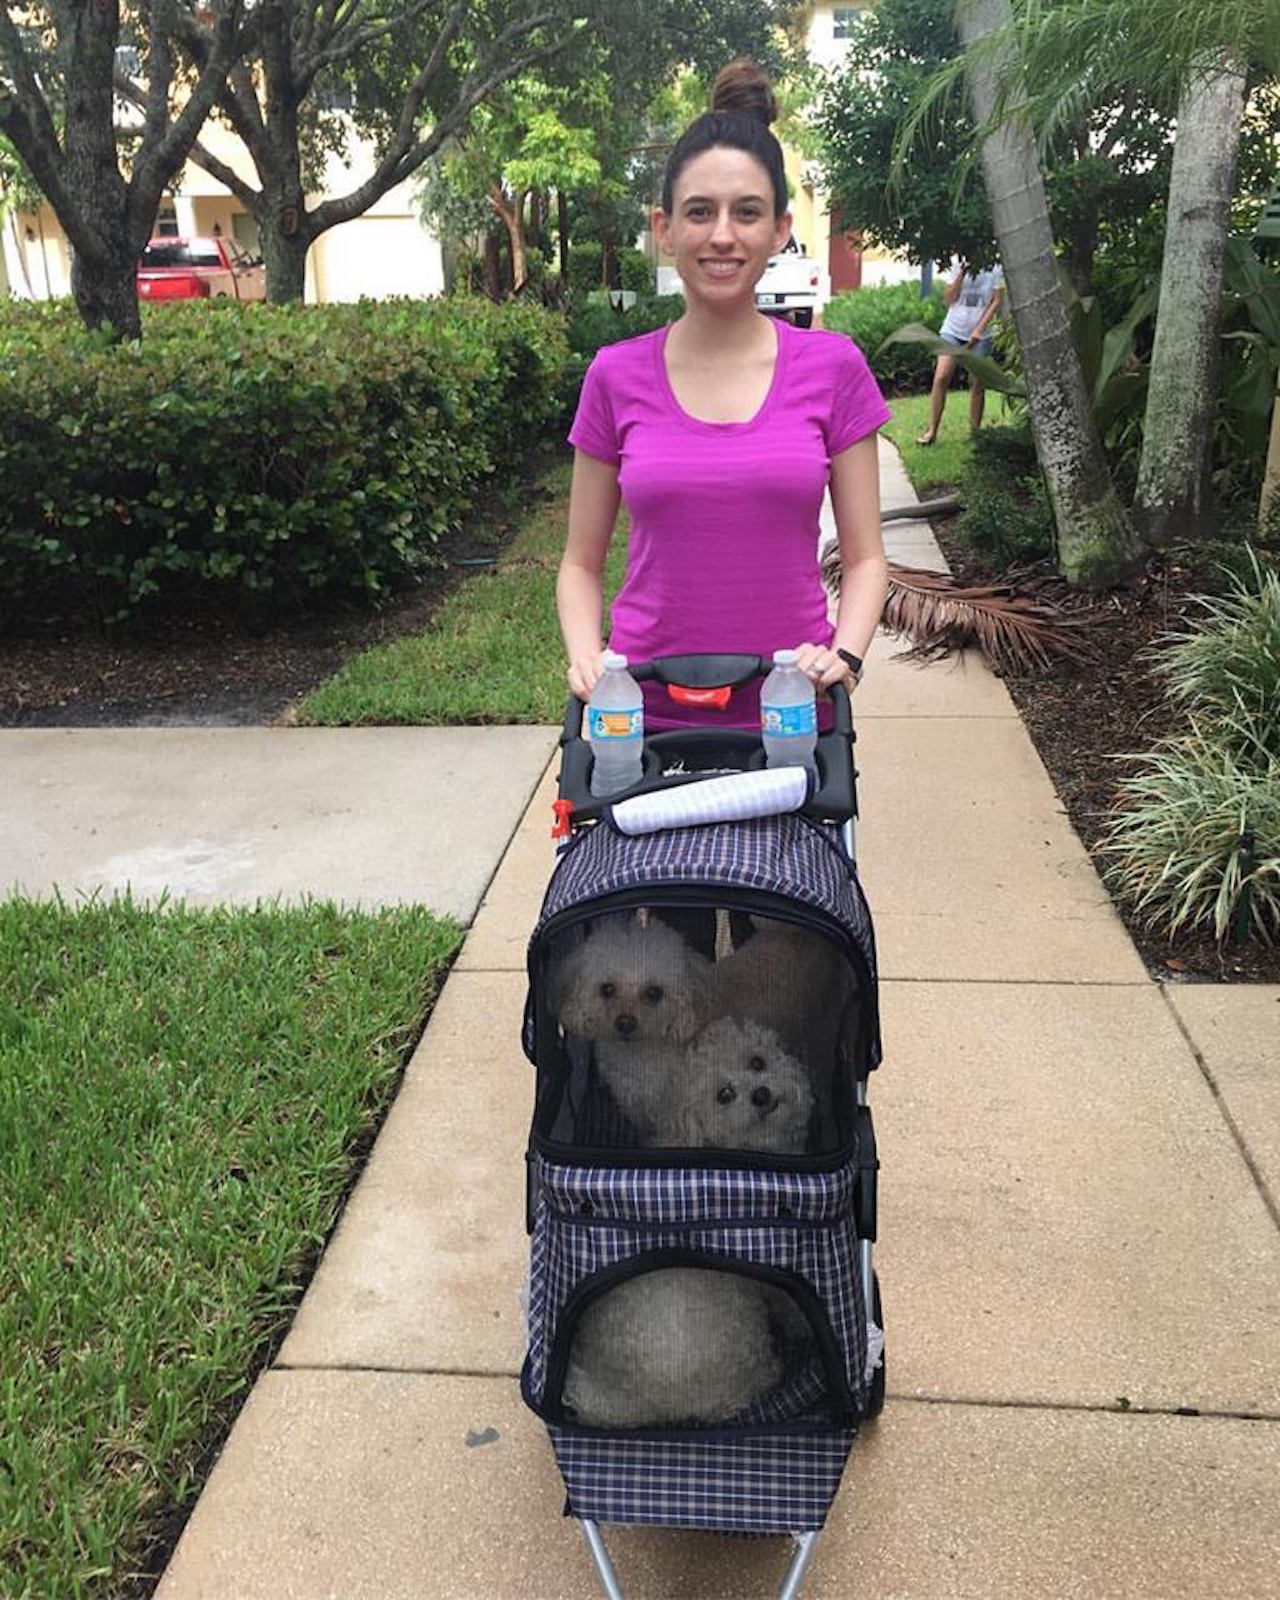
(722, 434)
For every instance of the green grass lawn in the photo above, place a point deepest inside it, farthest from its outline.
(946, 460)
(493, 652)
(184, 1099)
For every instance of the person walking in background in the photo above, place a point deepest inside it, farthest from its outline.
(973, 301)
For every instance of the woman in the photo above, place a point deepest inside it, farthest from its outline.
(972, 300)
(721, 434)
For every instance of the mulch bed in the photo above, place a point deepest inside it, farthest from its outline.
(1081, 718)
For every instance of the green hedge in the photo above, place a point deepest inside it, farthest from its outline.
(870, 315)
(256, 452)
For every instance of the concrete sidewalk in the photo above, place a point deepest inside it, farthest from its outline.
(1078, 1250)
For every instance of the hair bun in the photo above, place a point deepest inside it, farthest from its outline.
(744, 88)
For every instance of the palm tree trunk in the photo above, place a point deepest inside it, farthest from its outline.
(1096, 544)
(1172, 494)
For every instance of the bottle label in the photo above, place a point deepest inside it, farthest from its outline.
(789, 722)
(614, 724)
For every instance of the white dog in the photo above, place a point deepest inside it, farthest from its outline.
(739, 1090)
(678, 1344)
(635, 988)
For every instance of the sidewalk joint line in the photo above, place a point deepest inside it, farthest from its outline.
(1206, 1072)
(1112, 1408)
(974, 1402)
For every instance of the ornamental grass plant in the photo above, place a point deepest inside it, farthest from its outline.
(1193, 843)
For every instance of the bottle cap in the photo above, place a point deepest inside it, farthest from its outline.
(613, 662)
(784, 658)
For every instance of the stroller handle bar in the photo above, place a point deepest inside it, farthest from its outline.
(703, 752)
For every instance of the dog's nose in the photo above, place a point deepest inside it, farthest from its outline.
(625, 1024)
(762, 1097)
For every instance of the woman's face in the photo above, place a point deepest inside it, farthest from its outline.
(722, 230)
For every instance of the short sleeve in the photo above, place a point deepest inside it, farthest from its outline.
(593, 427)
(857, 406)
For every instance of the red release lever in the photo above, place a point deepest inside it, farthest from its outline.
(716, 698)
(562, 828)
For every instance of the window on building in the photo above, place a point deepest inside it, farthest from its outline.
(167, 221)
(844, 18)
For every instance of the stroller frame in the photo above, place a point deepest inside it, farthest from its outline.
(836, 800)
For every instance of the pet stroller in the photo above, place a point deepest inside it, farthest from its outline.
(704, 1321)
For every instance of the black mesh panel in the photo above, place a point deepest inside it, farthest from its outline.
(698, 1029)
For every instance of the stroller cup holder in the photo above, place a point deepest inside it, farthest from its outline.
(679, 756)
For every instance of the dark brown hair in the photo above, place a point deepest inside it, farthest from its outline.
(742, 107)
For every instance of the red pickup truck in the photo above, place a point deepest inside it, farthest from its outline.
(199, 269)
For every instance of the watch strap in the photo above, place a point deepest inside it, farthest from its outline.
(854, 663)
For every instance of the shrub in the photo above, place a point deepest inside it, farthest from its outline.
(868, 316)
(636, 272)
(254, 452)
(586, 267)
(1006, 519)
(598, 323)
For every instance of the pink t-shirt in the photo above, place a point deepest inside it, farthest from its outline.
(724, 515)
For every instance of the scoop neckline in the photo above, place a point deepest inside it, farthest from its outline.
(699, 424)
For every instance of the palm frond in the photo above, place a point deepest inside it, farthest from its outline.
(1015, 630)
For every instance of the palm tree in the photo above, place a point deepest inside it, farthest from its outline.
(1096, 543)
(1194, 56)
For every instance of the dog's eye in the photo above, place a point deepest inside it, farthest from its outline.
(608, 990)
(757, 1063)
(653, 993)
(726, 1094)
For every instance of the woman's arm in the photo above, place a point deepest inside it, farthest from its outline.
(952, 290)
(593, 510)
(864, 572)
(989, 314)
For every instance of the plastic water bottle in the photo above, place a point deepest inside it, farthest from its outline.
(788, 715)
(615, 723)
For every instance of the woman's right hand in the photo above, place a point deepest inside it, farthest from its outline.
(584, 672)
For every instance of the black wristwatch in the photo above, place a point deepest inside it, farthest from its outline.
(854, 663)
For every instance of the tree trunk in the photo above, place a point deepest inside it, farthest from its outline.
(107, 294)
(1096, 544)
(492, 266)
(284, 248)
(512, 213)
(1172, 496)
(562, 218)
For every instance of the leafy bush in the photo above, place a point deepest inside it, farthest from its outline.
(255, 452)
(1006, 517)
(636, 272)
(868, 316)
(586, 267)
(598, 323)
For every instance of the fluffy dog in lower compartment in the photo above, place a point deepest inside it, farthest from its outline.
(739, 1090)
(673, 1345)
(639, 992)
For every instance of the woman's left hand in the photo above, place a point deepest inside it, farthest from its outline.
(823, 666)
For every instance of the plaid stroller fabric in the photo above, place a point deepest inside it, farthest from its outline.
(698, 1343)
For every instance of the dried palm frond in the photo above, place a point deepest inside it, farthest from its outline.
(1015, 632)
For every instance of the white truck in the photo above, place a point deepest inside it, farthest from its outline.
(789, 286)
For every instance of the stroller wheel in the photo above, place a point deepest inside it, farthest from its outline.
(875, 1391)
